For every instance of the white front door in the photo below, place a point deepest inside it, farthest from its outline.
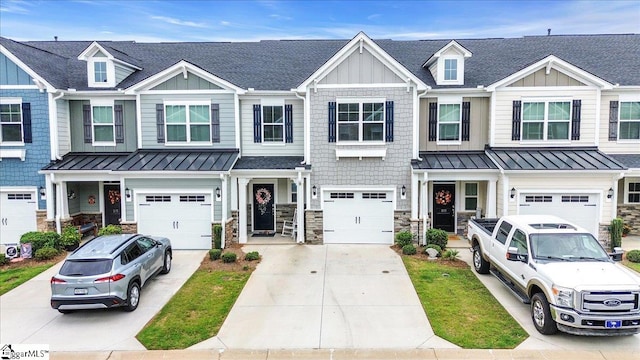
(582, 209)
(183, 218)
(17, 215)
(364, 217)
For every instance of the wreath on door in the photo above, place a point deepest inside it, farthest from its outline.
(443, 197)
(263, 198)
(114, 196)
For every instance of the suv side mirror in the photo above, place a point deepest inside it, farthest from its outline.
(513, 255)
(616, 255)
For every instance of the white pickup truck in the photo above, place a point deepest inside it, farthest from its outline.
(571, 282)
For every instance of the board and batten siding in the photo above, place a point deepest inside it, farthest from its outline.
(227, 118)
(361, 68)
(77, 128)
(540, 78)
(173, 185)
(12, 74)
(192, 82)
(250, 148)
(64, 132)
(504, 110)
(613, 146)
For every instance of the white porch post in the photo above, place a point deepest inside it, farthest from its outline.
(64, 200)
(50, 198)
(415, 187)
(491, 199)
(242, 210)
(425, 204)
(225, 214)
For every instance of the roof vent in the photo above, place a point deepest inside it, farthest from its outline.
(548, 31)
(55, 38)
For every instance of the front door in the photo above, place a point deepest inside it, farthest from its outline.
(444, 215)
(263, 209)
(112, 205)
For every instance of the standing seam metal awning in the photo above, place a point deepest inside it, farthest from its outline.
(553, 159)
(453, 160)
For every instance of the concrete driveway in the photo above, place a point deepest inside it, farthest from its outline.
(327, 297)
(27, 317)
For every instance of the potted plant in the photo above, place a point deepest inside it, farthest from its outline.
(70, 238)
(626, 229)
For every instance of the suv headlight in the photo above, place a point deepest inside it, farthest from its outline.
(563, 296)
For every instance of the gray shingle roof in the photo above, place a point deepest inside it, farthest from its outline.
(270, 163)
(454, 160)
(588, 159)
(629, 160)
(285, 64)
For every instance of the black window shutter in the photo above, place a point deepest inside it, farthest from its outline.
(332, 121)
(575, 120)
(26, 123)
(118, 122)
(433, 121)
(160, 123)
(86, 122)
(288, 123)
(215, 123)
(257, 123)
(516, 120)
(613, 120)
(466, 120)
(389, 122)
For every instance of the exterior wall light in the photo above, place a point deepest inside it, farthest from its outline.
(610, 193)
(314, 192)
(512, 193)
(127, 194)
(42, 192)
(403, 192)
(218, 194)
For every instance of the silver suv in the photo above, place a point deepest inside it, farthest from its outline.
(109, 271)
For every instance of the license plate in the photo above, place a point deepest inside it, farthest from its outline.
(80, 291)
(613, 324)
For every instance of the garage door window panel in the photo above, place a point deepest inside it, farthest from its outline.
(629, 121)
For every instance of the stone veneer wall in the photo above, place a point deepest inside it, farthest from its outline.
(41, 221)
(313, 228)
(630, 214)
(129, 228)
(402, 222)
(463, 220)
(231, 229)
(284, 212)
(604, 236)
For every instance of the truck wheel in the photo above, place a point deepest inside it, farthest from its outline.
(479, 263)
(541, 315)
(133, 297)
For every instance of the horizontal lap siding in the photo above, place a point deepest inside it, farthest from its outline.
(250, 148)
(227, 117)
(612, 147)
(77, 129)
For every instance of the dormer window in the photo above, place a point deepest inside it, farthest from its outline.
(447, 64)
(450, 69)
(100, 71)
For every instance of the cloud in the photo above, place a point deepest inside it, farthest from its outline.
(225, 23)
(174, 21)
(373, 16)
(15, 7)
(280, 17)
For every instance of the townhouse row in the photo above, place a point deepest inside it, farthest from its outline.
(355, 140)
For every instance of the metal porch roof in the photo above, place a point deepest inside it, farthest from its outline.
(453, 160)
(585, 158)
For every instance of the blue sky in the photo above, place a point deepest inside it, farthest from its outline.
(160, 20)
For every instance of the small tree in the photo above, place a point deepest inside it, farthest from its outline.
(217, 236)
(616, 232)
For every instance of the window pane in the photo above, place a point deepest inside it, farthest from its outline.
(12, 132)
(373, 112)
(449, 132)
(533, 111)
(372, 132)
(471, 189)
(348, 112)
(272, 114)
(450, 69)
(532, 131)
(630, 110)
(175, 114)
(629, 130)
(558, 131)
(470, 203)
(199, 114)
(102, 115)
(272, 133)
(634, 186)
(449, 113)
(559, 110)
(200, 133)
(10, 113)
(100, 71)
(176, 133)
(103, 133)
(348, 132)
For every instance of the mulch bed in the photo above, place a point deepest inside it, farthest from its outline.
(424, 257)
(33, 262)
(240, 265)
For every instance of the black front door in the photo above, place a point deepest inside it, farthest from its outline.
(444, 215)
(112, 205)
(263, 207)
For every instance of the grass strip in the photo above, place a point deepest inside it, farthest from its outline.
(460, 308)
(12, 278)
(196, 312)
(631, 265)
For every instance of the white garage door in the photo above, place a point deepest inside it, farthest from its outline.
(183, 218)
(17, 215)
(578, 208)
(358, 217)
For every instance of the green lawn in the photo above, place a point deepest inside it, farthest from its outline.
(12, 278)
(196, 312)
(460, 308)
(634, 266)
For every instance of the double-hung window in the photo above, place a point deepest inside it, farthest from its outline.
(273, 123)
(294, 192)
(633, 192)
(629, 121)
(188, 123)
(470, 196)
(100, 71)
(449, 120)
(450, 69)
(102, 123)
(546, 120)
(11, 123)
(361, 121)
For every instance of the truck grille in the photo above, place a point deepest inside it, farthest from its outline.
(610, 302)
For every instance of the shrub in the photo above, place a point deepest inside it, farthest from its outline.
(616, 232)
(409, 249)
(451, 254)
(229, 257)
(433, 246)
(437, 237)
(40, 239)
(634, 256)
(217, 236)
(251, 256)
(404, 238)
(214, 254)
(3, 259)
(46, 253)
(70, 238)
(110, 230)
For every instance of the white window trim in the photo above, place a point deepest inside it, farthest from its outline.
(460, 73)
(545, 126)
(449, 142)
(186, 104)
(360, 102)
(465, 196)
(14, 101)
(627, 181)
(291, 192)
(273, 103)
(626, 99)
(109, 103)
(111, 73)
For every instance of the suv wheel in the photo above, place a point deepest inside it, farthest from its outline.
(541, 315)
(479, 263)
(133, 297)
(166, 267)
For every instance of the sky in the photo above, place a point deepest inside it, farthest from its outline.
(217, 20)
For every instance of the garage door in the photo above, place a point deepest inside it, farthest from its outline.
(358, 217)
(183, 218)
(17, 215)
(580, 209)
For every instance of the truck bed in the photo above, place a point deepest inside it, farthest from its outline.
(487, 224)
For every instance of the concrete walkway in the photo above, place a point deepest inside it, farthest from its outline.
(326, 297)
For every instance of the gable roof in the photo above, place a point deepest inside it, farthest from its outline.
(286, 64)
(111, 53)
(452, 44)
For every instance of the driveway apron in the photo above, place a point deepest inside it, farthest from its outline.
(326, 296)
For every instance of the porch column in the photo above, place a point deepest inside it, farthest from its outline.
(225, 211)
(234, 193)
(490, 206)
(64, 200)
(50, 198)
(242, 210)
(415, 190)
(300, 210)
(425, 204)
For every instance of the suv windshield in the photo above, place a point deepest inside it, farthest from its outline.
(85, 267)
(567, 247)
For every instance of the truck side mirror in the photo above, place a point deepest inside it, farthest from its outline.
(513, 255)
(616, 255)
